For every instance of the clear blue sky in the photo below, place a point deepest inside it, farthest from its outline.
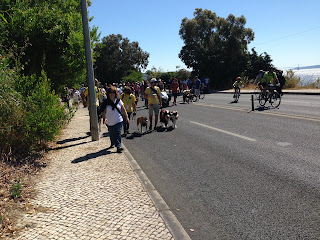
(155, 25)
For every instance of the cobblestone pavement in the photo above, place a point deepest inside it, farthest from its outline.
(87, 192)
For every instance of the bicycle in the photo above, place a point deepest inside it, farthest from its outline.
(236, 94)
(202, 94)
(257, 91)
(271, 96)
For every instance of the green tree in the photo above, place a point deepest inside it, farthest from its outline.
(133, 77)
(155, 73)
(215, 47)
(116, 56)
(46, 35)
(183, 74)
(257, 62)
(167, 76)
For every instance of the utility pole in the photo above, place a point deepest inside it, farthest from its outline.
(90, 76)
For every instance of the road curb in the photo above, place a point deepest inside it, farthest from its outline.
(169, 218)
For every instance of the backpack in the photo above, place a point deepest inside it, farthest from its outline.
(107, 102)
(282, 80)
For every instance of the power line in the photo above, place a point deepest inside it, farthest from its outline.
(288, 36)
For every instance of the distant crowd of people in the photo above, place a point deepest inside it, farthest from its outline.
(117, 102)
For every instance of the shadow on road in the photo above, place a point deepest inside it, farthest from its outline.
(137, 134)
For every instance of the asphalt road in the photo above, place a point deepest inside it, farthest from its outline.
(229, 173)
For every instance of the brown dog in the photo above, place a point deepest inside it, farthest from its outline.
(143, 121)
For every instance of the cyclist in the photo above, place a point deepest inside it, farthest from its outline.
(259, 77)
(237, 85)
(269, 77)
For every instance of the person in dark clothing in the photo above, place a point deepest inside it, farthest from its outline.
(282, 81)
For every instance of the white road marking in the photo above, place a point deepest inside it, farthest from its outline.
(266, 113)
(224, 131)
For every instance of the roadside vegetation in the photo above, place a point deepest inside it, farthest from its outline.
(41, 52)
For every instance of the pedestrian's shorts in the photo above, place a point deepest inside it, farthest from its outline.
(153, 108)
(197, 92)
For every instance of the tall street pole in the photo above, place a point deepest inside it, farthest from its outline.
(90, 76)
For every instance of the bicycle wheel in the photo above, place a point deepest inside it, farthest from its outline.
(257, 92)
(275, 99)
(262, 99)
(236, 96)
(202, 95)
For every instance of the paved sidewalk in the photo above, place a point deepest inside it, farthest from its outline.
(87, 192)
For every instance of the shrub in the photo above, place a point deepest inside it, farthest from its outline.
(12, 111)
(15, 191)
(291, 80)
(30, 116)
(317, 83)
(45, 116)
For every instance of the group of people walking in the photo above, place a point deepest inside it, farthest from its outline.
(118, 103)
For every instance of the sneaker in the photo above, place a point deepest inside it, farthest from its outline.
(119, 149)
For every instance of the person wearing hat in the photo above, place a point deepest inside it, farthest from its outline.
(269, 77)
(237, 85)
(154, 102)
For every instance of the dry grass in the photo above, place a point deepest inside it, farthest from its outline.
(12, 208)
(250, 86)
